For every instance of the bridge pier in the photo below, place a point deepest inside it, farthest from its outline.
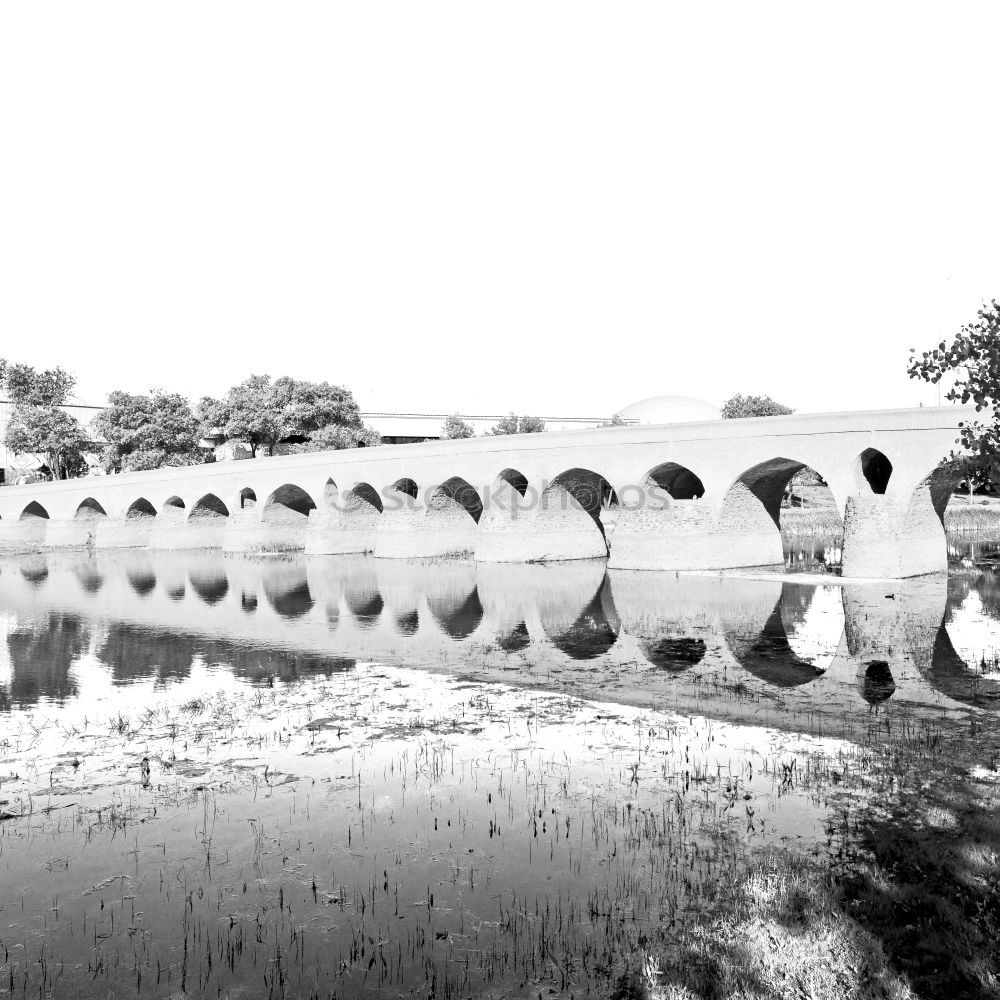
(175, 530)
(25, 534)
(124, 532)
(554, 527)
(72, 533)
(245, 532)
(332, 532)
(899, 534)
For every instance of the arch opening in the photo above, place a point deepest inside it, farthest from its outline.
(515, 479)
(453, 494)
(406, 486)
(174, 502)
(89, 508)
(330, 493)
(140, 508)
(362, 498)
(677, 480)
(288, 503)
(248, 498)
(209, 506)
(36, 510)
(876, 469)
(587, 490)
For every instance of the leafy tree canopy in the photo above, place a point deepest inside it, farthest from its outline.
(334, 437)
(262, 413)
(455, 427)
(752, 406)
(37, 425)
(512, 424)
(148, 432)
(973, 358)
(617, 420)
(26, 386)
(48, 431)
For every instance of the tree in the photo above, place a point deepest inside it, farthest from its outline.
(455, 427)
(38, 425)
(512, 424)
(148, 432)
(334, 437)
(617, 420)
(51, 432)
(973, 357)
(752, 406)
(261, 412)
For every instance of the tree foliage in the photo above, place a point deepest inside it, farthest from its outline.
(740, 406)
(512, 424)
(261, 413)
(973, 358)
(147, 432)
(334, 437)
(48, 431)
(617, 420)
(455, 427)
(38, 425)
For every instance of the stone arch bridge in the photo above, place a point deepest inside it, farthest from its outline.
(687, 496)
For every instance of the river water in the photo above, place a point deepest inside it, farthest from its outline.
(340, 776)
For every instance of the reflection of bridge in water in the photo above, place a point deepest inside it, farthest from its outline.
(152, 616)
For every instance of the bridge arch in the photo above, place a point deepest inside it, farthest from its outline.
(513, 478)
(90, 508)
(677, 480)
(140, 507)
(176, 502)
(331, 493)
(453, 499)
(248, 498)
(288, 503)
(209, 506)
(36, 510)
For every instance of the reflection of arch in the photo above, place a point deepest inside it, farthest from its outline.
(877, 684)
(209, 506)
(407, 622)
(35, 570)
(680, 482)
(454, 496)
(365, 605)
(769, 655)
(248, 498)
(34, 509)
(90, 508)
(140, 508)
(515, 640)
(288, 503)
(288, 592)
(458, 615)
(141, 579)
(875, 469)
(673, 653)
(953, 677)
(593, 632)
(90, 579)
(210, 587)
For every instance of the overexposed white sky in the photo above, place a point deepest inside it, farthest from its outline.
(550, 207)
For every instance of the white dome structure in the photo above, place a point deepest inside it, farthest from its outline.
(671, 410)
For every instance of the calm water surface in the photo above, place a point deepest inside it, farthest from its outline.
(349, 777)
